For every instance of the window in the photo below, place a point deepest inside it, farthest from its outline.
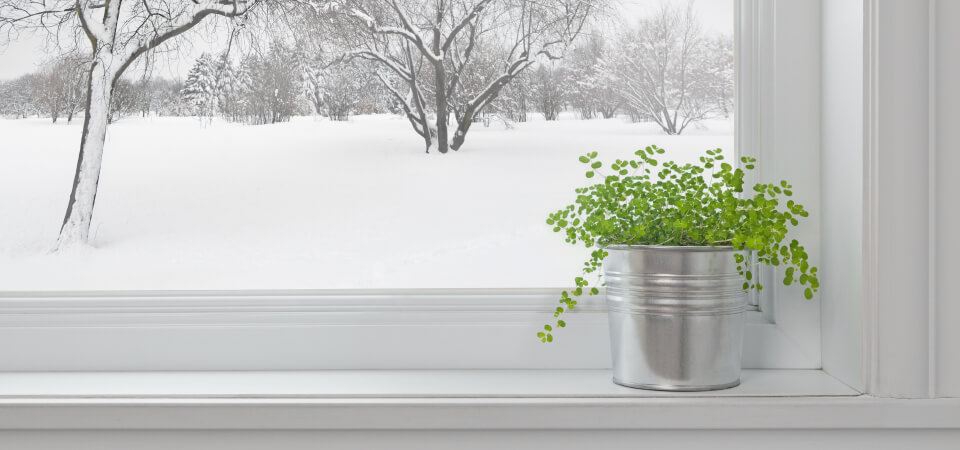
(222, 242)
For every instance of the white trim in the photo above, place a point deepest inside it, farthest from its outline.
(841, 175)
(267, 307)
(947, 209)
(871, 179)
(806, 413)
(932, 200)
(753, 28)
(900, 188)
(434, 400)
(418, 384)
(424, 329)
(786, 94)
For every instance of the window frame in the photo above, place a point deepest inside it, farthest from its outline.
(435, 328)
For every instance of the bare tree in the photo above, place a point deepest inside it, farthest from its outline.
(74, 81)
(592, 85)
(430, 46)
(49, 92)
(721, 50)
(18, 96)
(666, 70)
(273, 93)
(548, 84)
(118, 33)
(124, 100)
(336, 89)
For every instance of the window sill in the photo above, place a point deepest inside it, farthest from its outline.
(442, 399)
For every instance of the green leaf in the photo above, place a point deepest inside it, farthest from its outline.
(584, 159)
(589, 174)
(596, 165)
(788, 276)
(808, 293)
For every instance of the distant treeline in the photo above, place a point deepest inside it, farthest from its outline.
(59, 91)
(663, 70)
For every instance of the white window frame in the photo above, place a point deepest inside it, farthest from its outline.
(444, 329)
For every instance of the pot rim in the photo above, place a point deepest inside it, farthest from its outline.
(691, 248)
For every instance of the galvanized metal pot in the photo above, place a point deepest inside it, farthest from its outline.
(676, 317)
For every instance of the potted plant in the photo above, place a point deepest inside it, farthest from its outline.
(672, 242)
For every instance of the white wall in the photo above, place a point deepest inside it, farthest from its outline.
(841, 178)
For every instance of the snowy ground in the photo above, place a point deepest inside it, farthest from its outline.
(308, 204)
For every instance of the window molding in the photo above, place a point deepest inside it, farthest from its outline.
(910, 207)
(778, 122)
(313, 330)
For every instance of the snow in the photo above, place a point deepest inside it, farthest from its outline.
(310, 204)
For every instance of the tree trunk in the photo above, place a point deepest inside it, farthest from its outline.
(463, 126)
(76, 221)
(461, 134)
(443, 114)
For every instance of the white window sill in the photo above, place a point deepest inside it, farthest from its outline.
(442, 399)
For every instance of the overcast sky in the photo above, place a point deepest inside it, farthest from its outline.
(23, 55)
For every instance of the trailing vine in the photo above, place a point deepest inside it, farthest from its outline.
(637, 203)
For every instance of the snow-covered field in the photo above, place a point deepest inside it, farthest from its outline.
(309, 204)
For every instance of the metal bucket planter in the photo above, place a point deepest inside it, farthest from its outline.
(676, 317)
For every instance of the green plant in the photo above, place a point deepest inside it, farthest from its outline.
(636, 204)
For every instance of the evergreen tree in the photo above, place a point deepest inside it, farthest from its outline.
(200, 88)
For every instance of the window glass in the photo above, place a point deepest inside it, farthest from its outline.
(253, 157)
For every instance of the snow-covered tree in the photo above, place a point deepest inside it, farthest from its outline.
(166, 98)
(343, 88)
(232, 84)
(592, 87)
(666, 70)
(51, 97)
(148, 95)
(606, 89)
(200, 89)
(17, 98)
(338, 87)
(431, 47)
(273, 91)
(73, 84)
(118, 33)
(721, 75)
(514, 100)
(549, 83)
